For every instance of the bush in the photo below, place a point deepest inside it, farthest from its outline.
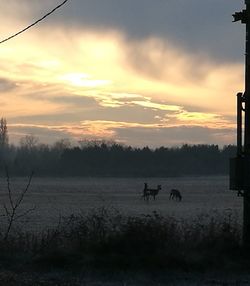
(104, 239)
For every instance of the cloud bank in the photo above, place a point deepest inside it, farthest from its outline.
(139, 72)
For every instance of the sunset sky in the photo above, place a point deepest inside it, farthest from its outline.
(141, 72)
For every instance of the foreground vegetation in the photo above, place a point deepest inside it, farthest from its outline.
(104, 240)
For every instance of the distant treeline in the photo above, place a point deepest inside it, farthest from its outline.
(106, 159)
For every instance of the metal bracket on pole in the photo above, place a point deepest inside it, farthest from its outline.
(240, 16)
(241, 193)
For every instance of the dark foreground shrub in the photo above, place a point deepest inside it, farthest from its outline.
(105, 239)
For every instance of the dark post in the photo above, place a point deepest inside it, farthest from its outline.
(246, 197)
(241, 167)
(239, 124)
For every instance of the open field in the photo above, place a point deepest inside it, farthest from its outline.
(101, 249)
(55, 197)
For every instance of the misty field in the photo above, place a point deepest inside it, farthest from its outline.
(89, 229)
(58, 197)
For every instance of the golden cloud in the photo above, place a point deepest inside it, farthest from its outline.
(150, 73)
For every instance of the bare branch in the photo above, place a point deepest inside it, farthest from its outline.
(11, 211)
(24, 213)
(7, 214)
(8, 187)
(19, 200)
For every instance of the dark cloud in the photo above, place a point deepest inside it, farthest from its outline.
(141, 56)
(135, 136)
(6, 85)
(70, 100)
(42, 133)
(171, 136)
(199, 26)
(53, 118)
(122, 114)
(126, 114)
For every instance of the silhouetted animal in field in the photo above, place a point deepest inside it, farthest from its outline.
(154, 192)
(175, 194)
(145, 194)
(150, 192)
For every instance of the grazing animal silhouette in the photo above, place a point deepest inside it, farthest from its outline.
(175, 194)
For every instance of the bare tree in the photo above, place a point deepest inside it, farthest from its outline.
(11, 209)
(4, 138)
(62, 144)
(86, 143)
(29, 142)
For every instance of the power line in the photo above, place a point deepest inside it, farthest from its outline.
(33, 24)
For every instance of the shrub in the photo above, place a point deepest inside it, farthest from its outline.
(104, 238)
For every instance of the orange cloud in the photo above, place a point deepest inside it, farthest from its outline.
(115, 72)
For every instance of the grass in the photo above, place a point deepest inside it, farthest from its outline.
(103, 242)
(104, 239)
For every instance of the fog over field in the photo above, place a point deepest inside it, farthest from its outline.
(56, 197)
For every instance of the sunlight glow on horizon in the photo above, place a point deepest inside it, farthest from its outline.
(83, 80)
(53, 77)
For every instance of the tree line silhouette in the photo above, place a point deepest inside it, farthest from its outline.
(108, 158)
(105, 159)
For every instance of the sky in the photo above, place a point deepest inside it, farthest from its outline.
(138, 72)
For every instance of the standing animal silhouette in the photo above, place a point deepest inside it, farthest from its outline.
(145, 193)
(175, 194)
(154, 192)
(150, 192)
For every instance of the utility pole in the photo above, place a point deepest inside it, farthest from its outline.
(240, 166)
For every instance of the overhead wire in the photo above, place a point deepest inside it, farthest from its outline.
(35, 23)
